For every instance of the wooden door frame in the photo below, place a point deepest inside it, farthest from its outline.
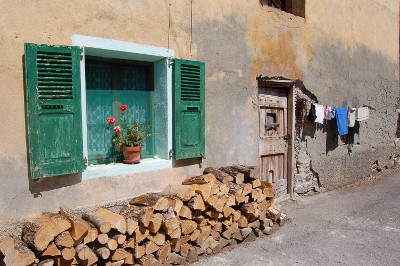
(287, 85)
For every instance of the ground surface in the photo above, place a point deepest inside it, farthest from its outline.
(355, 225)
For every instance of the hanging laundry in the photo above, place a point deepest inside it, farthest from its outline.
(362, 113)
(351, 116)
(311, 115)
(332, 112)
(319, 112)
(326, 113)
(342, 121)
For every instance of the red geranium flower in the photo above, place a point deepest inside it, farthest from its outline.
(111, 120)
(123, 107)
(117, 129)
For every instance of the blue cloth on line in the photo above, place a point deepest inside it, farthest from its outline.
(342, 121)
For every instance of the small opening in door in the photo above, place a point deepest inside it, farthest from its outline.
(271, 125)
(271, 176)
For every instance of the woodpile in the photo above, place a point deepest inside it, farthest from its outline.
(204, 215)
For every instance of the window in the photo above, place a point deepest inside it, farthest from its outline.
(72, 90)
(295, 7)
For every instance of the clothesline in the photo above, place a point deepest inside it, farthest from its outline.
(345, 117)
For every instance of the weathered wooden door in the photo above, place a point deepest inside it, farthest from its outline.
(273, 132)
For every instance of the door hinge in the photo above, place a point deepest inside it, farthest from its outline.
(171, 153)
(203, 156)
(85, 161)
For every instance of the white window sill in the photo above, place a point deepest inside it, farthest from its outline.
(117, 169)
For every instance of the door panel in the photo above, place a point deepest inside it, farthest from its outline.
(273, 140)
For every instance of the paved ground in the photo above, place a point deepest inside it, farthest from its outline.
(355, 225)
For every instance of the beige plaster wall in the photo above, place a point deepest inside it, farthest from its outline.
(332, 50)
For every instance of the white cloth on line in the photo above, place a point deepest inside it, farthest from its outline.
(320, 113)
(351, 116)
(362, 113)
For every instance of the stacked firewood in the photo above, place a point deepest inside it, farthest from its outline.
(202, 216)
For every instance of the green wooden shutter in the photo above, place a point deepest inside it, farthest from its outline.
(53, 97)
(189, 115)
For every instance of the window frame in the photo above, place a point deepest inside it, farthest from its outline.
(160, 57)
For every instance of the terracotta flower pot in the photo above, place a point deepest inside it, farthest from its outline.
(132, 154)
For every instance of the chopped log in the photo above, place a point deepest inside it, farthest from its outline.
(213, 214)
(246, 231)
(120, 238)
(220, 175)
(155, 222)
(158, 238)
(196, 203)
(203, 190)
(183, 192)
(98, 221)
(250, 237)
(217, 227)
(141, 234)
(227, 211)
(62, 262)
(237, 234)
(210, 242)
(256, 183)
(131, 226)
(192, 254)
(61, 222)
(202, 179)
(176, 243)
(224, 242)
(220, 203)
(79, 227)
(249, 208)
(115, 263)
(236, 215)
(170, 222)
(230, 230)
(140, 214)
(282, 219)
(215, 189)
(37, 236)
(51, 251)
(242, 222)
(231, 200)
(16, 252)
(255, 224)
(176, 259)
(130, 243)
(249, 172)
(258, 232)
(64, 240)
(117, 221)
(194, 235)
(238, 177)
(236, 190)
(129, 260)
(68, 253)
(188, 226)
(204, 233)
(267, 189)
(102, 252)
(48, 262)
(177, 233)
(163, 252)
(266, 223)
(151, 247)
(212, 200)
(119, 254)
(83, 252)
(212, 222)
(247, 188)
(175, 203)
(146, 260)
(155, 200)
(112, 244)
(184, 249)
(200, 251)
(223, 188)
(185, 212)
(102, 238)
(140, 250)
(91, 235)
(273, 214)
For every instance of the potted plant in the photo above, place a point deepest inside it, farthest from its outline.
(129, 137)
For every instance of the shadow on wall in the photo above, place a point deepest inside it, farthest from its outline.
(44, 184)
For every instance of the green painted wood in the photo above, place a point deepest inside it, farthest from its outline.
(189, 109)
(108, 85)
(53, 97)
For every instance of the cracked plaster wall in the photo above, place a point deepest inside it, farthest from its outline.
(344, 51)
